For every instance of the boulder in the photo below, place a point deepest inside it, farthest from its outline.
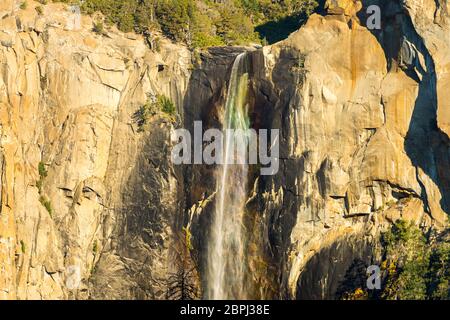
(343, 7)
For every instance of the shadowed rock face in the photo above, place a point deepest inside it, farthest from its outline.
(325, 275)
(361, 145)
(355, 109)
(364, 141)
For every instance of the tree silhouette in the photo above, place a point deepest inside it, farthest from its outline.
(184, 283)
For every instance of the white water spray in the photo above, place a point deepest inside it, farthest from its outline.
(226, 259)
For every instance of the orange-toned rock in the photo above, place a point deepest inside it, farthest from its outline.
(6, 7)
(345, 7)
(67, 100)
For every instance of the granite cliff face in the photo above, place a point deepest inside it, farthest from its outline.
(364, 120)
(363, 145)
(364, 138)
(68, 97)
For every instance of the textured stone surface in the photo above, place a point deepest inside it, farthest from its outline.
(6, 6)
(67, 100)
(358, 152)
(432, 22)
(364, 122)
(346, 7)
(356, 110)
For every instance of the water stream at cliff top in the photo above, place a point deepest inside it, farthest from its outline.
(226, 258)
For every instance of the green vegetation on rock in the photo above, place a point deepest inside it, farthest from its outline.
(155, 105)
(416, 266)
(47, 205)
(42, 170)
(166, 105)
(438, 286)
(39, 10)
(95, 248)
(23, 247)
(98, 28)
(42, 175)
(205, 23)
(39, 184)
(407, 261)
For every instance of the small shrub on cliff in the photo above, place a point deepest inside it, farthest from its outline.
(39, 10)
(95, 248)
(154, 105)
(39, 185)
(42, 175)
(42, 170)
(23, 5)
(143, 115)
(99, 28)
(22, 246)
(166, 105)
(47, 205)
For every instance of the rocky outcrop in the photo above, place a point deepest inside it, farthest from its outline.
(88, 195)
(104, 199)
(360, 148)
(6, 7)
(343, 7)
(432, 22)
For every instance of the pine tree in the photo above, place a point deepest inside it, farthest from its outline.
(184, 283)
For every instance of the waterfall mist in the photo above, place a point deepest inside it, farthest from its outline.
(226, 252)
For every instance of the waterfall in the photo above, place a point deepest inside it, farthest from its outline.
(226, 258)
